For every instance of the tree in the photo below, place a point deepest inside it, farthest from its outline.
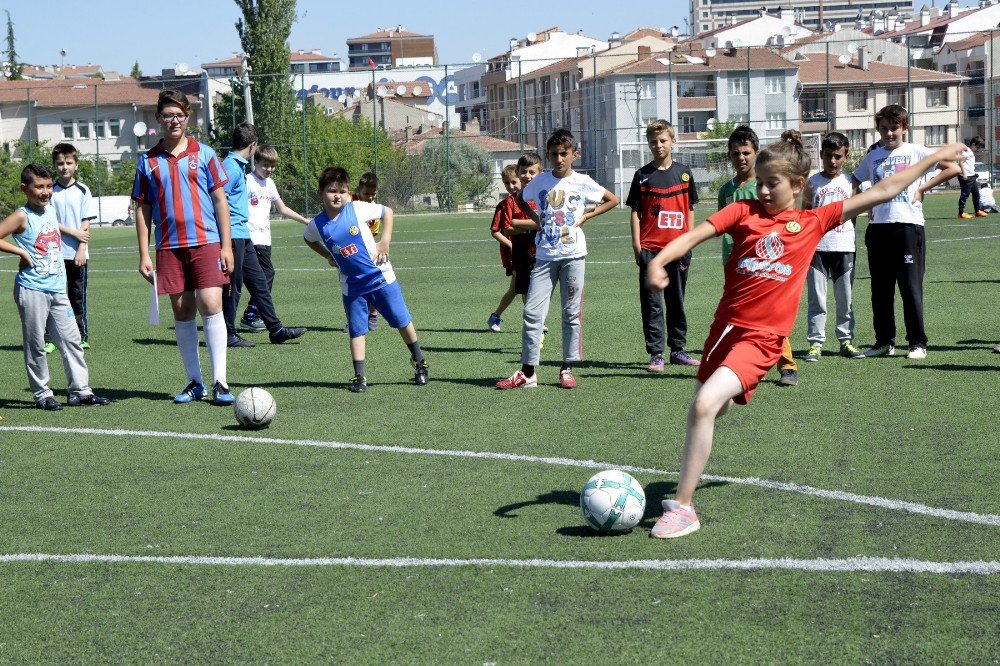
(230, 110)
(462, 172)
(136, 72)
(717, 156)
(14, 66)
(264, 31)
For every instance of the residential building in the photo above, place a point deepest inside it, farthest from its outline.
(761, 29)
(471, 99)
(394, 106)
(301, 62)
(692, 92)
(845, 97)
(389, 48)
(49, 72)
(933, 28)
(972, 58)
(706, 15)
(112, 120)
(505, 73)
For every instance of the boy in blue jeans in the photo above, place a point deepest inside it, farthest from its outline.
(341, 234)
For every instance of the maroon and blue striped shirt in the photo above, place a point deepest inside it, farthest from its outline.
(179, 189)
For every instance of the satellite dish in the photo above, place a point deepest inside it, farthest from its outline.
(532, 36)
(477, 57)
(382, 91)
(710, 123)
(844, 59)
(852, 48)
(786, 31)
(417, 91)
(710, 52)
(182, 68)
(400, 89)
(139, 129)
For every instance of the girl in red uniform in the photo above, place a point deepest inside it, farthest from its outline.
(774, 244)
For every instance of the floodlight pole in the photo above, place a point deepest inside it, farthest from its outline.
(245, 80)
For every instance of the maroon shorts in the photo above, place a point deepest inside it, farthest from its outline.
(748, 353)
(189, 268)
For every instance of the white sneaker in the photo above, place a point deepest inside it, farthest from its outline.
(917, 353)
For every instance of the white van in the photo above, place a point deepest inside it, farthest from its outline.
(116, 211)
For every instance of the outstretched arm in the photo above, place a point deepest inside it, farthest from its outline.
(886, 189)
(656, 274)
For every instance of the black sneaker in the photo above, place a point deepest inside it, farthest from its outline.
(237, 341)
(49, 404)
(358, 385)
(420, 373)
(89, 400)
(788, 378)
(284, 334)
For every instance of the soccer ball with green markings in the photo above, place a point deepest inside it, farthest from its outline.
(612, 501)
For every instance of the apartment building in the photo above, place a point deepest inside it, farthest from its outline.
(389, 48)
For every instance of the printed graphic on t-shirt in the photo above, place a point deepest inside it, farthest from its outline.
(888, 167)
(769, 249)
(559, 213)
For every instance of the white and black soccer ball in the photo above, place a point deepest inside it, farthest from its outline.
(255, 408)
(612, 501)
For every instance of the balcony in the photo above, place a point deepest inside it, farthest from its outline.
(975, 111)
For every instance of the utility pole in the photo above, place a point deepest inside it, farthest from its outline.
(245, 80)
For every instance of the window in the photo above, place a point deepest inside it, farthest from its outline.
(739, 118)
(774, 84)
(950, 69)
(704, 14)
(99, 129)
(529, 90)
(937, 97)
(813, 106)
(114, 127)
(738, 85)
(936, 135)
(500, 100)
(687, 124)
(775, 122)
(475, 89)
(858, 139)
(897, 96)
(857, 100)
(83, 129)
(67, 129)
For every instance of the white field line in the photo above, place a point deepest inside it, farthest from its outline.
(882, 502)
(849, 564)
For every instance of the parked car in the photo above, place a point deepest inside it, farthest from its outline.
(116, 211)
(983, 172)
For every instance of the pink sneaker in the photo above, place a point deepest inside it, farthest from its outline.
(676, 521)
(518, 380)
(566, 379)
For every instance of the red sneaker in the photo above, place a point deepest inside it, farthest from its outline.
(518, 380)
(566, 379)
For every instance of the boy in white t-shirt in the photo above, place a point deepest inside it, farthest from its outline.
(263, 195)
(834, 257)
(561, 196)
(895, 235)
(969, 182)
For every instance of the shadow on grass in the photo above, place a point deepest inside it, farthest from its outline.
(472, 350)
(18, 404)
(964, 281)
(16, 348)
(117, 395)
(954, 366)
(483, 330)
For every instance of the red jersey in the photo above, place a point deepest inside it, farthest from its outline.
(663, 199)
(771, 256)
(524, 243)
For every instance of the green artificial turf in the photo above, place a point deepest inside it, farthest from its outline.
(909, 431)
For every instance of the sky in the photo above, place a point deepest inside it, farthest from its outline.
(116, 33)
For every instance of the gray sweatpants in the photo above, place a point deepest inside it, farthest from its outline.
(826, 266)
(569, 274)
(41, 310)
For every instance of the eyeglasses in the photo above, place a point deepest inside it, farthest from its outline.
(175, 117)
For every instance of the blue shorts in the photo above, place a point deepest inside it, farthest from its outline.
(388, 301)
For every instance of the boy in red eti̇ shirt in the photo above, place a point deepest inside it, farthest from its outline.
(661, 197)
(773, 246)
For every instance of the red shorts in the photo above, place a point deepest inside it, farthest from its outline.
(748, 353)
(189, 268)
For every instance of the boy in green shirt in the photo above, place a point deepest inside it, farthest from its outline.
(743, 146)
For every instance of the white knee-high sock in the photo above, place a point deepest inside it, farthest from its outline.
(186, 333)
(216, 338)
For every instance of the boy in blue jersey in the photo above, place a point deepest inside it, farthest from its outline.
(247, 270)
(341, 234)
(40, 292)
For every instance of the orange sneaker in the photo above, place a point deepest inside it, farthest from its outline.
(982, 213)
(964, 216)
(566, 379)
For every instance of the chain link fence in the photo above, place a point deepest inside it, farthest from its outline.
(439, 137)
